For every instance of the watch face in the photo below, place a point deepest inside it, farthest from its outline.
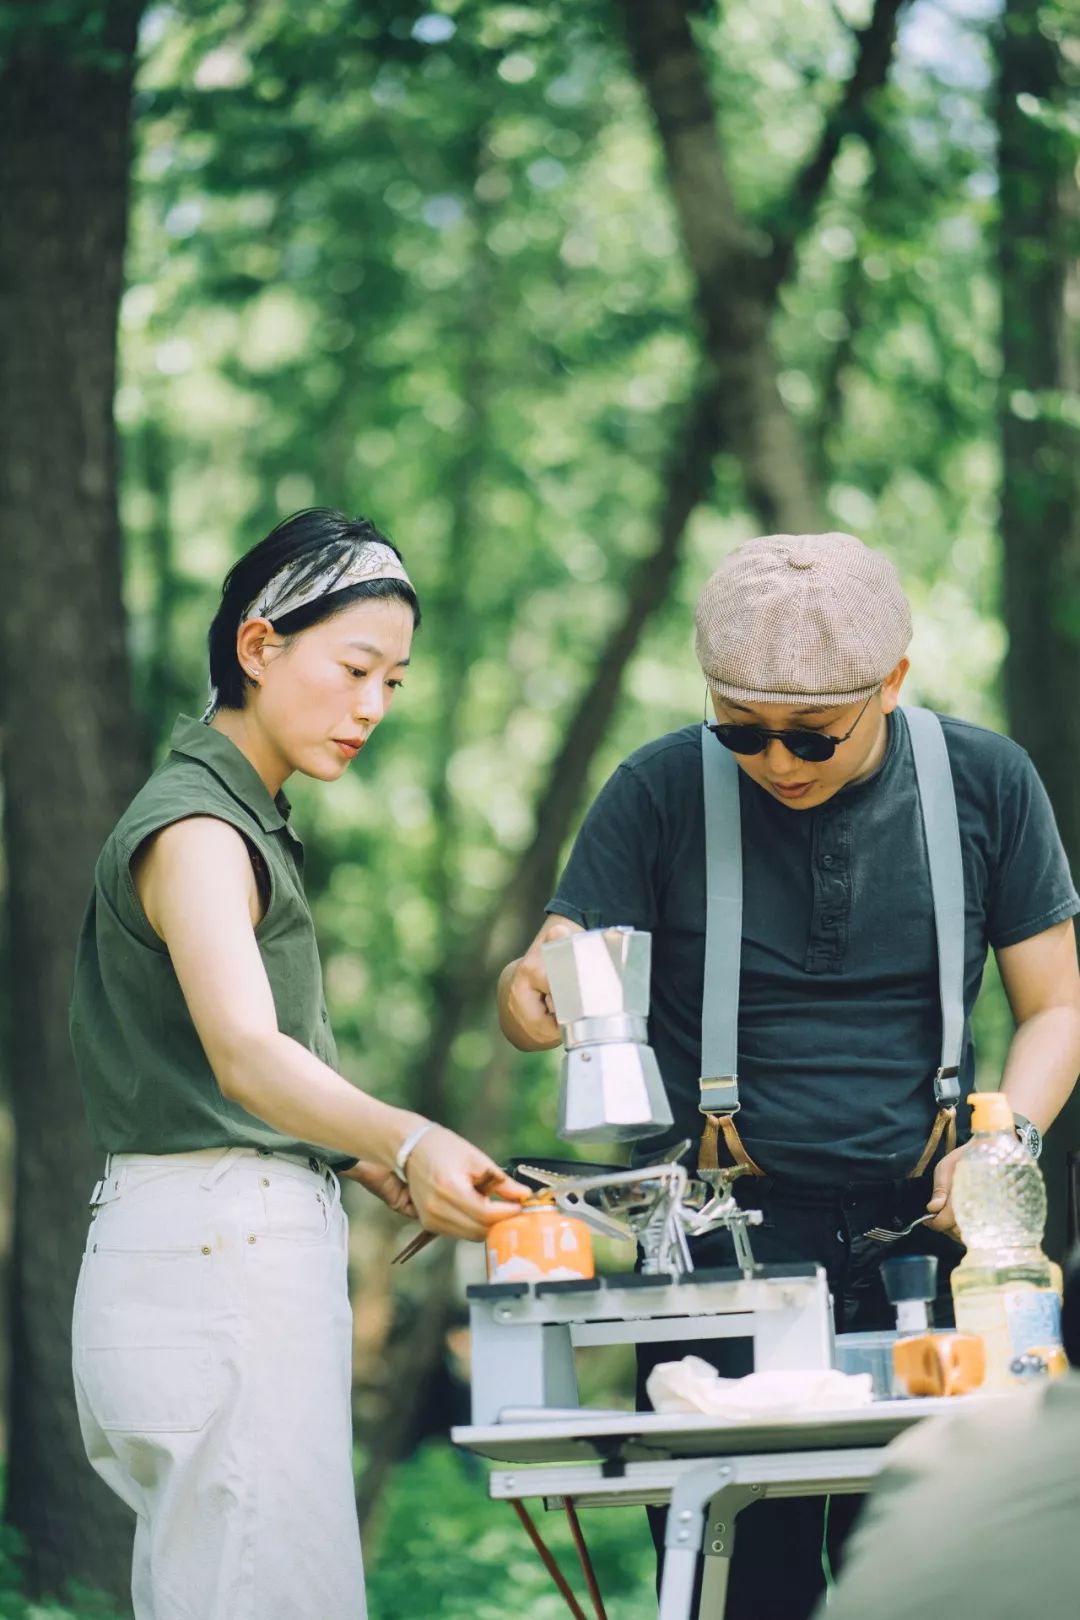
(1031, 1138)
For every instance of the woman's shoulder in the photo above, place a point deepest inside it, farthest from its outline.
(180, 787)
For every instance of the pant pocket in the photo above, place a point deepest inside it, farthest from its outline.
(148, 1388)
(294, 1210)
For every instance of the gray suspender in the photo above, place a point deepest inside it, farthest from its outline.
(723, 930)
(941, 828)
(723, 926)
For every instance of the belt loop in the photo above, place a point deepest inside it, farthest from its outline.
(220, 1167)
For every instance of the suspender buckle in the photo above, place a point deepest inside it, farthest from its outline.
(719, 1095)
(947, 1088)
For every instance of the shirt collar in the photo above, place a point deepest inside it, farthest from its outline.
(213, 749)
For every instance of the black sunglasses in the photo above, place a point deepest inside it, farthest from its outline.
(813, 746)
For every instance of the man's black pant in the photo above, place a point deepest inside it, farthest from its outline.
(776, 1566)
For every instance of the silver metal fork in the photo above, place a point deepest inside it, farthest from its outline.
(886, 1234)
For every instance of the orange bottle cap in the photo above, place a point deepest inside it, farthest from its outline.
(990, 1111)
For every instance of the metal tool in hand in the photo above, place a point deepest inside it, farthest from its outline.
(657, 1206)
(611, 1086)
(887, 1234)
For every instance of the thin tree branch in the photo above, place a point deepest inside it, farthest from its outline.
(849, 115)
(726, 266)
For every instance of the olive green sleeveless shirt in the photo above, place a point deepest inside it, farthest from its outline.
(146, 1080)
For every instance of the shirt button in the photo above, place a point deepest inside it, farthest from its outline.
(830, 921)
(828, 860)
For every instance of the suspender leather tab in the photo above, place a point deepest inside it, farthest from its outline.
(719, 1095)
(717, 1125)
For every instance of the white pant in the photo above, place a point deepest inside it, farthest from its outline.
(212, 1342)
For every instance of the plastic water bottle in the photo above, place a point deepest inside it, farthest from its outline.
(1005, 1289)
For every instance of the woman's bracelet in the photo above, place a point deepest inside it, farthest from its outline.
(401, 1158)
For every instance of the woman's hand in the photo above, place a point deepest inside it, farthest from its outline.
(445, 1176)
(385, 1184)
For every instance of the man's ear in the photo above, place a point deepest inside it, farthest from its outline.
(890, 686)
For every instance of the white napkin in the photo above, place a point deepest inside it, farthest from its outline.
(691, 1385)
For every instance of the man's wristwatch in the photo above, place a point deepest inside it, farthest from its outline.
(1029, 1134)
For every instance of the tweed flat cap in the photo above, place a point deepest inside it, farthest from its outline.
(796, 616)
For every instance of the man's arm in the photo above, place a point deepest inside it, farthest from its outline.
(524, 994)
(1042, 981)
(608, 880)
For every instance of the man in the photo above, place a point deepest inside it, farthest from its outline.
(977, 1516)
(802, 640)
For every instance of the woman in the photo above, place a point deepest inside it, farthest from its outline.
(212, 1326)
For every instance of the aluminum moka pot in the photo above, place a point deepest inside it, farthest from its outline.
(611, 1086)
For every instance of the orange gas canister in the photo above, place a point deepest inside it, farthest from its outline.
(538, 1243)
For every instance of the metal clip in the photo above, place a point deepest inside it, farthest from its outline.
(719, 1095)
(947, 1088)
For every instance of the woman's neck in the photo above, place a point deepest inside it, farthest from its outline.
(241, 728)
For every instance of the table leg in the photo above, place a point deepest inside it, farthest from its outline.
(719, 1544)
(692, 1530)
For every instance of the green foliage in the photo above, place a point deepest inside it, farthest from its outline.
(439, 1534)
(421, 263)
(78, 1604)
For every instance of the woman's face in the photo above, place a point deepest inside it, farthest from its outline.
(321, 693)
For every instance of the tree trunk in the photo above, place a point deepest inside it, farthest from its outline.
(1039, 256)
(70, 759)
(162, 693)
(852, 114)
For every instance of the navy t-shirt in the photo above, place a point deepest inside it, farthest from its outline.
(840, 1013)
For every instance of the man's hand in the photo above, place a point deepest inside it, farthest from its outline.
(385, 1184)
(525, 1010)
(941, 1197)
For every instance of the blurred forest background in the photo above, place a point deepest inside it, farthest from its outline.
(569, 296)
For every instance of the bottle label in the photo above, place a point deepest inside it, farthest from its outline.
(1011, 1321)
(1034, 1318)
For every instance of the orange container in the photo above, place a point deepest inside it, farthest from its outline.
(538, 1243)
(940, 1363)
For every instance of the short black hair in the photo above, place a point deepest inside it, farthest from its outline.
(319, 535)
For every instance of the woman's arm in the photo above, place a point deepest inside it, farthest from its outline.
(197, 888)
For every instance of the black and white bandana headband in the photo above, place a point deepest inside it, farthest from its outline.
(334, 568)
